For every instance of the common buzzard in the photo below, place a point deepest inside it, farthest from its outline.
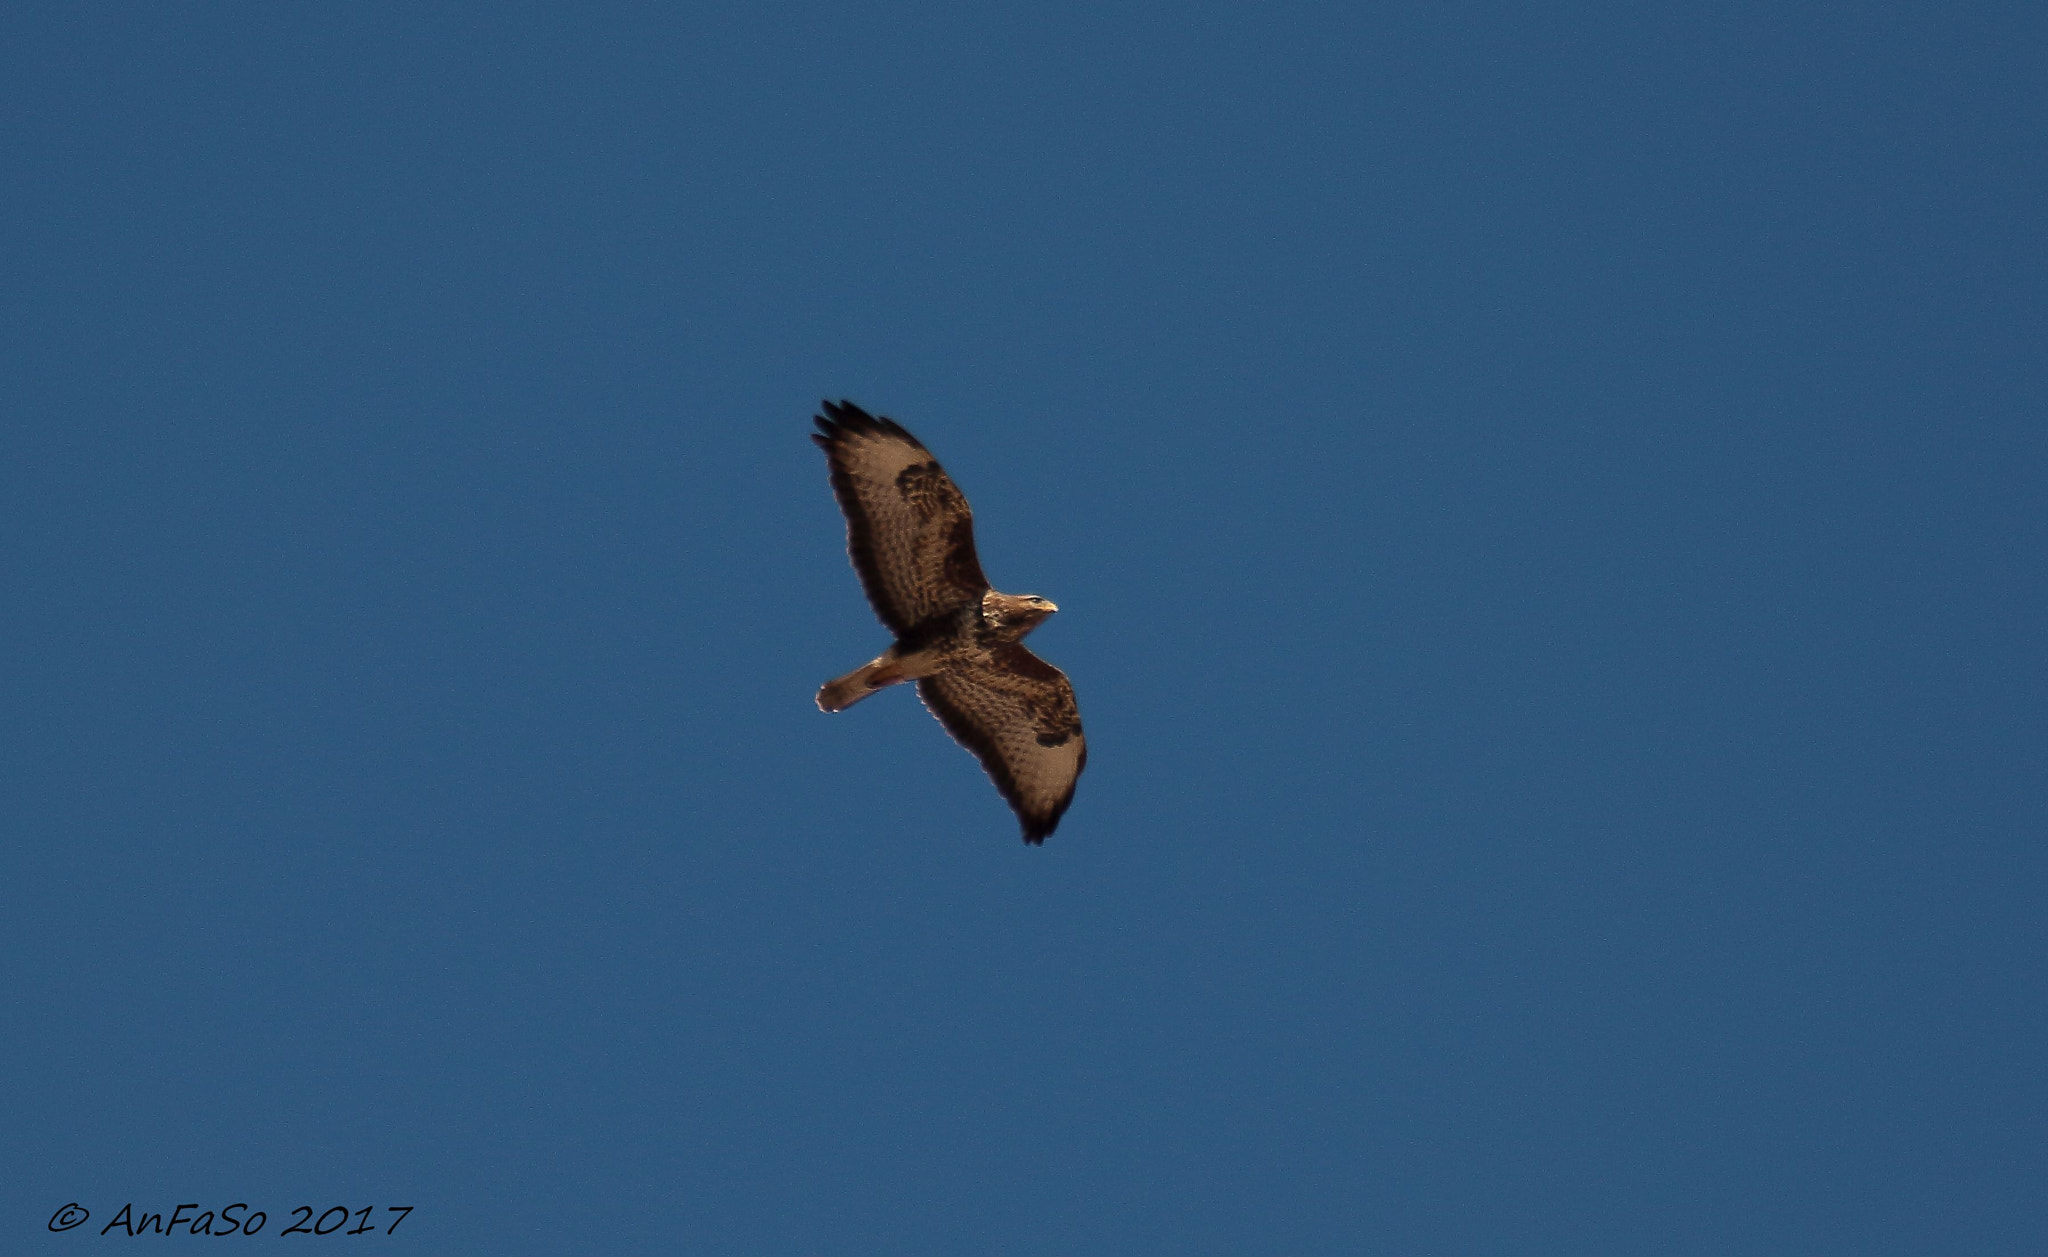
(911, 538)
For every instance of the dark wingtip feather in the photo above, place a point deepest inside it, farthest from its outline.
(843, 418)
(839, 419)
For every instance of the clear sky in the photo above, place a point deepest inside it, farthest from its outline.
(1547, 506)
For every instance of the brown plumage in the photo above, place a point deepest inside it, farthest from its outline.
(910, 535)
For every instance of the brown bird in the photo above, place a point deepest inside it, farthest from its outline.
(910, 535)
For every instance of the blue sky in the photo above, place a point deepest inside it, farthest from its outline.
(1546, 505)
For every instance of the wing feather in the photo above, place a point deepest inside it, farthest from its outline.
(909, 531)
(1016, 712)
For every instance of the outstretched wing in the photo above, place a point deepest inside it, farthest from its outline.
(908, 529)
(1017, 714)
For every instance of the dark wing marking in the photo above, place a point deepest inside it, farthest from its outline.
(908, 528)
(1016, 713)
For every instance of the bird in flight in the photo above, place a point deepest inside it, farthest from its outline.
(911, 538)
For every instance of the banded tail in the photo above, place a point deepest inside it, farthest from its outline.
(840, 694)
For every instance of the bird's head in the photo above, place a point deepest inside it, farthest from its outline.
(1016, 613)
